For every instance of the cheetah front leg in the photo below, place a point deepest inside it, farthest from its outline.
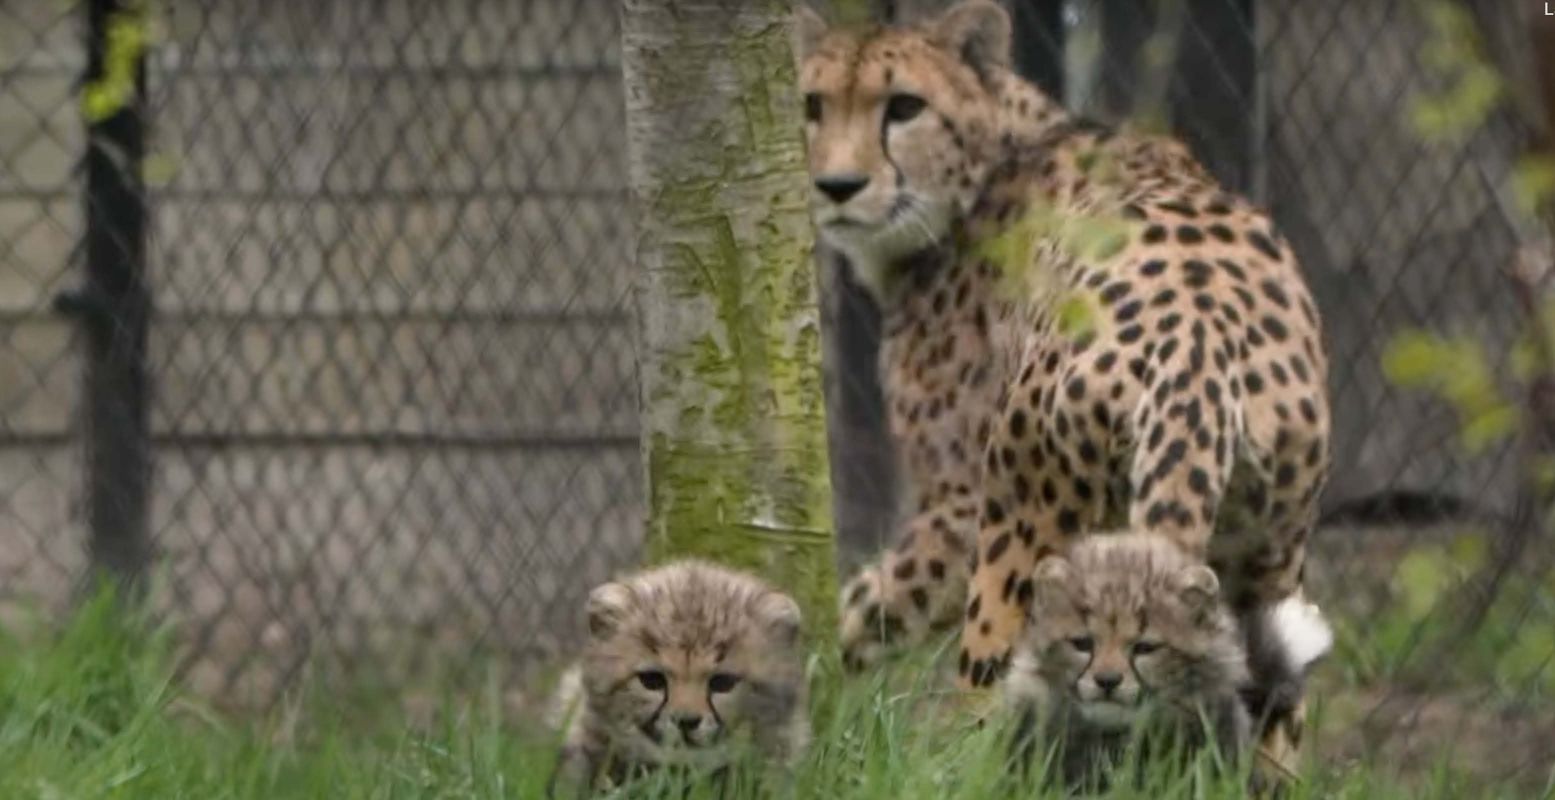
(1043, 485)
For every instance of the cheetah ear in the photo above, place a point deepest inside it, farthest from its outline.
(1198, 587)
(1054, 583)
(781, 614)
(607, 609)
(976, 30)
(809, 30)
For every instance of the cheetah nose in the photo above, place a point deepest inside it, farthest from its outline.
(1108, 681)
(688, 723)
(841, 187)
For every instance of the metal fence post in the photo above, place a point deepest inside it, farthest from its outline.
(1039, 44)
(1214, 97)
(114, 305)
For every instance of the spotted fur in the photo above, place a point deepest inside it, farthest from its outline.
(1134, 646)
(1191, 403)
(685, 665)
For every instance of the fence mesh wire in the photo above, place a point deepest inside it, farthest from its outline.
(394, 391)
(394, 383)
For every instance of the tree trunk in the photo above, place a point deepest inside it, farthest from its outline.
(734, 436)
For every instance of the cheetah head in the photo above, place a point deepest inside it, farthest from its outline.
(1126, 624)
(681, 659)
(902, 126)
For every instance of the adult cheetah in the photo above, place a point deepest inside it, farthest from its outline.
(1188, 401)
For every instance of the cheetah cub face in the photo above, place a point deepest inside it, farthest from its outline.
(684, 661)
(1125, 627)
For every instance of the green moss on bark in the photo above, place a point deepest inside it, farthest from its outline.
(735, 440)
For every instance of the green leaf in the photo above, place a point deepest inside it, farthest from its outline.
(1413, 359)
(1488, 428)
(1468, 552)
(1076, 316)
(1531, 652)
(159, 169)
(1421, 580)
(1533, 182)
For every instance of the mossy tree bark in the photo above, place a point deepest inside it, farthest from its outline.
(734, 434)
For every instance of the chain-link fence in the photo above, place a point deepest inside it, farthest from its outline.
(392, 395)
(387, 389)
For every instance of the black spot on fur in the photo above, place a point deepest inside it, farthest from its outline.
(1198, 273)
(1233, 269)
(1264, 245)
(1022, 489)
(1299, 366)
(1308, 411)
(1275, 293)
(1115, 292)
(1198, 481)
(997, 549)
(1178, 207)
(1024, 591)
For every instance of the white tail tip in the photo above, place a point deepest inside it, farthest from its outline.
(1302, 630)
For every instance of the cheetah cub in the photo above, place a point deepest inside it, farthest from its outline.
(684, 664)
(1129, 641)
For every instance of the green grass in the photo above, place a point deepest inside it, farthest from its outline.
(90, 711)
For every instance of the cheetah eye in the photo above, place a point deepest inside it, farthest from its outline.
(652, 680)
(1144, 647)
(1082, 643)
(812, 107)
(903, 107)
(722, 682)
